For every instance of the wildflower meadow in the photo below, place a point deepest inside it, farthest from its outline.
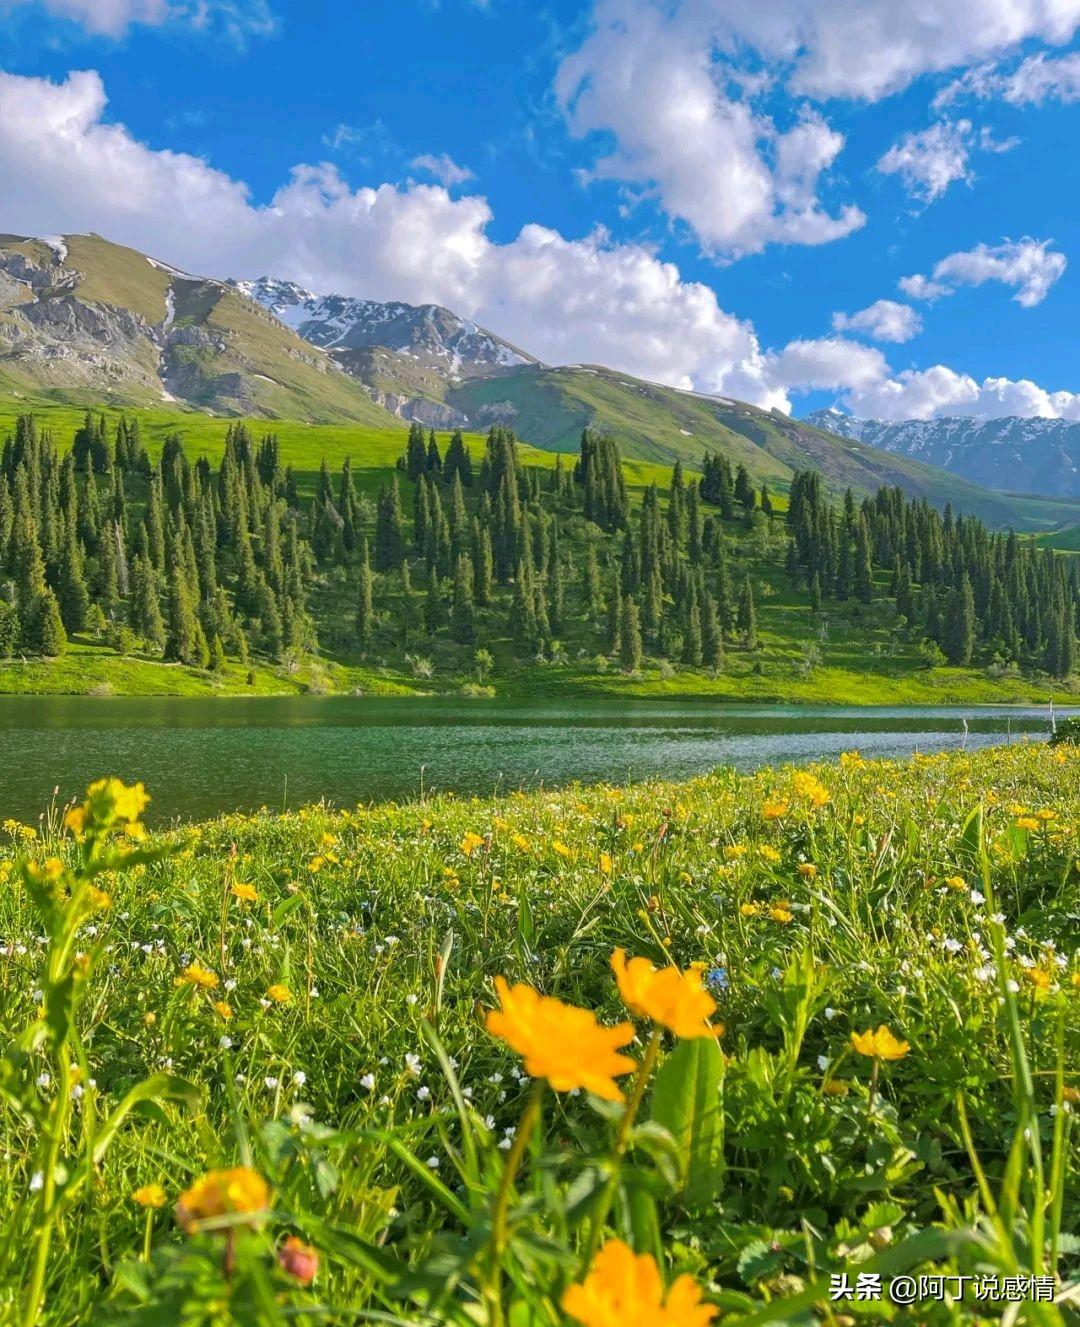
(663, 1054)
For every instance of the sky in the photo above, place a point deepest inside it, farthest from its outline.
(797, 203)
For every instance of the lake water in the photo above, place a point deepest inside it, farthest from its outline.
(198, 757)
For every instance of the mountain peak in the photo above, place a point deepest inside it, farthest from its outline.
(435, 337)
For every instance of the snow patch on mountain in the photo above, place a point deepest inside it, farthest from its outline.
(430, 334)
(1022, 455)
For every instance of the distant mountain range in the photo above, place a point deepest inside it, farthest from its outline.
(87, 322)
(1026, 455)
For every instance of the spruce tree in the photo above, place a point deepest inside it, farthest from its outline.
(746, 620)
(630, 646)
(365, 606)
(462, 613)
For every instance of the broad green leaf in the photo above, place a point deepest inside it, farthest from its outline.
(687, 1102)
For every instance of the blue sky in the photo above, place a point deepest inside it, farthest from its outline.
(706, 193)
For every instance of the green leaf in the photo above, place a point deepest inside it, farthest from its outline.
(687, 1102)
(284, 909)
(156, 1088)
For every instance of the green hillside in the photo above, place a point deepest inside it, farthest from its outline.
(89, 322)
(551, 407)
(522, 577)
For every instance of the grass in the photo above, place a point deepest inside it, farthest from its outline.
(352, 1073)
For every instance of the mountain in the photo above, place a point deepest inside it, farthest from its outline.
(408, 354)
(84, 320)
(89, 323)
(1032, 455)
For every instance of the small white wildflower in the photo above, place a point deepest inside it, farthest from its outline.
(412, 1064)
(225, 1042)
(432, 1163)
(272, 1084)
(37, 1181)
(830, 1014)
(423, 1093)
(299, 1078)
(368, 1082)
(823, 1062)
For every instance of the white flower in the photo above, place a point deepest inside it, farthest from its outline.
(230, 984)
(432, 1163)
(76, 1092)
(265, 1002)
(951, 946)
(392, 940)
(299, 1078)
(272, 1084)
(368, 1082)
(976, 897)
(314, 992)
(830, 1014)
(225, 1042)
(37, 1181)
(411, 998)
(412, 1064)
(823, 1062)
(423, 1093)
(43, 1079)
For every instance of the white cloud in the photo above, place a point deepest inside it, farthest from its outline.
(939, 392)
(1030, 266)
(870, 48)
(567, 300)
(443, 168)
(711, 160)
(884, 320)
(932, 159)
(1038, 79)
(112, 18)
(921, 287)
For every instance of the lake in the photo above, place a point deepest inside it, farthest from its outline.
(199, 757)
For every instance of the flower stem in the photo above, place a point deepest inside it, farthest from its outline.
(501, 1210)
(622, 1140)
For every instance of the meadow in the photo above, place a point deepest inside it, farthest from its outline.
(664, 1054)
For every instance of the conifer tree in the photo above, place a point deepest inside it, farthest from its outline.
(746, 620)
(630, 646)
(463, 613)
(365, 606)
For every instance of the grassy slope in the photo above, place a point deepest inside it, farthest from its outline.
(860, 658)
(551, 407)
(352, 911)
(264, 368)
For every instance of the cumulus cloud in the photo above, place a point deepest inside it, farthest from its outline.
(567, 300)
(650, 79)
(443, 168)
(884, 320)
(939, 392)
(1030, 266)
(112, 18)
(921, 287)
(673, 84)
(868, 49)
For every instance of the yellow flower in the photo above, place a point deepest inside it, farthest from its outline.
(560, 1042)
(75, 820)
(150, 1195)
(520, 841)
(279, 993)
(149, 1018)
(733, 851)
(956, 882)
(1027, 822)
(245, 893)
(879, 1045)
(316, 864)
(674, 999)
(196, 975)
(560, 848)
(835, 1087)
(223, 1009)
(98, 898)
(239, 1191)
(605, 863)
(851, 760)
(624, 1289)
(780, 912)
(471, 842)
(768, 853)
(1040, 978)
(808, 870)
(774, 810)
(810, 788)
(748, 909)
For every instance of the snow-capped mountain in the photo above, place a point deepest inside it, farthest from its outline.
(1023, 455)
(434, 337)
